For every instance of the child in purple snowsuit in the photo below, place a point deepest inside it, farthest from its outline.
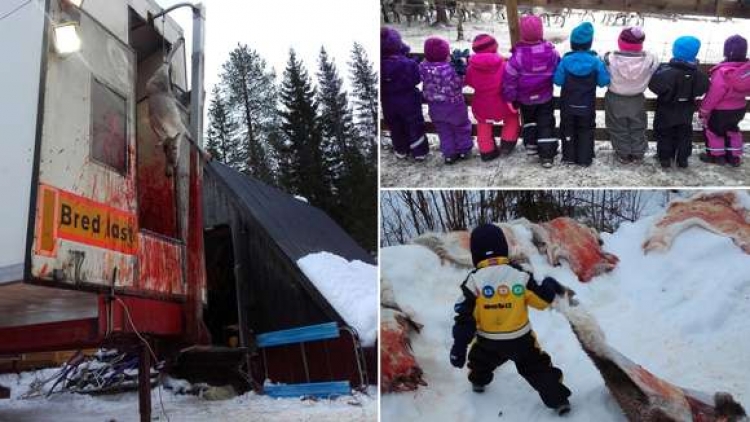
(723, 107)
(401, 99)
(528, 83)
(442, 88)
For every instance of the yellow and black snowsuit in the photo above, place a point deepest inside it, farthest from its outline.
(493, 310)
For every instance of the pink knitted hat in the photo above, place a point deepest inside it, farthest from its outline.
(631, 39)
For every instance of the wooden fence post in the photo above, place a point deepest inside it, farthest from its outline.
(511, 7)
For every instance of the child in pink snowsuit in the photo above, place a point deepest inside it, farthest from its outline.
(485, 75)
(724, 105)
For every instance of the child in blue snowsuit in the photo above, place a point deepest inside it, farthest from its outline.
(579, 73)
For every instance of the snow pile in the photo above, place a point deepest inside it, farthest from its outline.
(681, 314)
(179, 407)
(350, 287)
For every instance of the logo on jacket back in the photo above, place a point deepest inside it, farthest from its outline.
(518, 289)
(488, 291)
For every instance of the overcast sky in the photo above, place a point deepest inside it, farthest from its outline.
(271, 27)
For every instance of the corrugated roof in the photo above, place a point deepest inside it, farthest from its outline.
(296, 226)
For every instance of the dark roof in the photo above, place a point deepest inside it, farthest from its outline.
(297, 227)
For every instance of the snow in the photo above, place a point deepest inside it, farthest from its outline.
(351, 287)
(521, 171)
(179, 408)
(679, 314)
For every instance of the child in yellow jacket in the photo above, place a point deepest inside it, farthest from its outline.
(493, 311)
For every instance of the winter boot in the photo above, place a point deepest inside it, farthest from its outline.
(563, 409)
(400, 155)
(683, 164)
(547, 162)
(734, 161)
(636, 159)
(420, 158)
(477, 388)
(450, 159)
(665, 164)
(622, 159)
(490, 155)
(532, 150)
(712, 159)
(506, 147)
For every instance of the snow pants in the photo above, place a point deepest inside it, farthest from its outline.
(577, 133)
(453, 126)
(626, 123)
(532, 363)
(486, 139)
(539, 128)
(723, 136)
(406, 123)
(674, 143)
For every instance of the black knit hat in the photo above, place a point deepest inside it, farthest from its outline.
(487, 241)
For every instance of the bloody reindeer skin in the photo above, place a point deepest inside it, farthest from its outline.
(719, 212)
(566, 239)
(642, 396)
(399, 370)
(560, 239)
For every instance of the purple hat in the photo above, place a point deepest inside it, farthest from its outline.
(735, 49)
(436, 49)
(390, 42)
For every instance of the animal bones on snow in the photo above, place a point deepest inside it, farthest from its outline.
(720, 212)
(559, 239)
(642, 396)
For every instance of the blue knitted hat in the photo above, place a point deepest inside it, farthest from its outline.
(582, 36)
(686, 48)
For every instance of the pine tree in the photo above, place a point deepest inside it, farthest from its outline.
(301, 167)
(222, 141)
(365, 92)
(252, 97)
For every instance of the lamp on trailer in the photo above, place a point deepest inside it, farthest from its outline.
(67, 39)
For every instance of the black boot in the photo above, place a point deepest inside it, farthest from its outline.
(489, 156)
(734, 161)
(712, 159)
(665, 164)
(506, 147)
(477, 388)
(563, 409)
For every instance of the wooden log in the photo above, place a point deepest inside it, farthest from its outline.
(511, 8)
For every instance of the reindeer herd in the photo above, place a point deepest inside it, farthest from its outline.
(427, 11)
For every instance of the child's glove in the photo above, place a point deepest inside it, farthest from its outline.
(559, 289)
(458, 355)
(459, 61)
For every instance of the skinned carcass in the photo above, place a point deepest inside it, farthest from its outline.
(719, 212)
(560, 239)
(641, 395)
(566, 239)
(399, 370)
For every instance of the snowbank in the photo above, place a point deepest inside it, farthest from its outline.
(681, 314)
(350, 287)
(179, 408)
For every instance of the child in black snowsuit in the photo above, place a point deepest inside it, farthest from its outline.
(493, 309)
(677, 84)
(579, 73)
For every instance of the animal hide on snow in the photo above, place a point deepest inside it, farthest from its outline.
(719, 212)
(641, 395)
(399, 370)
(560, 239)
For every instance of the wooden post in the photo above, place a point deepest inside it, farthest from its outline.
(511, 8)
(144, 384)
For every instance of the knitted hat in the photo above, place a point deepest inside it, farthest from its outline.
(686, 48)
(735, 49)
(631, 39)
(484, 43)
(436, 49)
(582, 36)
(487, 241)
(531, 29)
(390, 42)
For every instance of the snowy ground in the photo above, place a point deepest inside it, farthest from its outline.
(179, 408)
(680, 314)
(517, 171)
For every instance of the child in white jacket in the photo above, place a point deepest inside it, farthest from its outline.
(630, 70)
